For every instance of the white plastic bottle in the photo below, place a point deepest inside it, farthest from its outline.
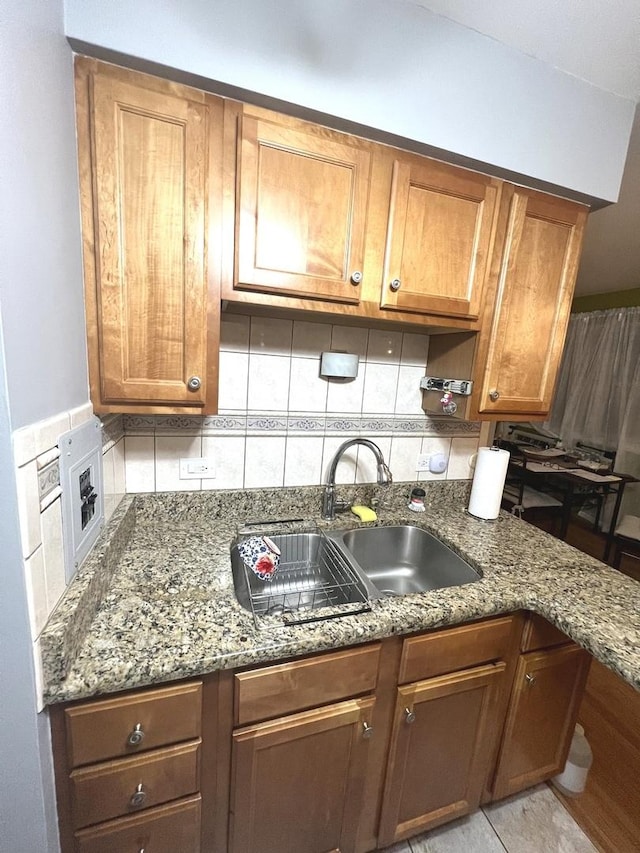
(573, 778)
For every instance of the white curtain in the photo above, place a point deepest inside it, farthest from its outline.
(598, 379)
(597, 400)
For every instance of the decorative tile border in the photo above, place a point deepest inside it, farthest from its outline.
(48, 478)
(112, 431)
(271, 423)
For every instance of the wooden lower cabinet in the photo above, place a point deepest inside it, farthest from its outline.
(338, 752)
(297, 781)
(546, 696)
(443, 736)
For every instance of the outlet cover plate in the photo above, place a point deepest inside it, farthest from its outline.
(194, 469)
(422, 462)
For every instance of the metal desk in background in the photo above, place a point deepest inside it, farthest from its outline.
(570, 484)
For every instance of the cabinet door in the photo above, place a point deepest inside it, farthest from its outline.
(302, 210)
(147, 313)
(535, 268)
(297, 782)
(444, 732)
(547, 690)
(439, 238)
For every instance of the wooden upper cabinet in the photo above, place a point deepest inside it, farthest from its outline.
(534, 272)
(144, 161)
(439, 237)
(301, 208)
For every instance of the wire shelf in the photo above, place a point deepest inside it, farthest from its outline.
(312, 575)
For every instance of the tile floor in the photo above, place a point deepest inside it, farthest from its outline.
(532, 822)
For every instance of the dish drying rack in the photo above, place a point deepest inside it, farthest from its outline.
(312, 575)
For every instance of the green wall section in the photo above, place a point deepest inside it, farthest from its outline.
(602, 301)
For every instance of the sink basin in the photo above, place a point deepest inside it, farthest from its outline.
(404, 559)
(313, 573)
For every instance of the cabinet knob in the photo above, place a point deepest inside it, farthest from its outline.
(367, 730)
(194, 383)
(530, 679)
(494, 395)
(409, 716)
(138, 797)
(356, 277)
(395, 284)
(136, 736)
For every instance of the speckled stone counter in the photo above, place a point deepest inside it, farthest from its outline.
(154, 602)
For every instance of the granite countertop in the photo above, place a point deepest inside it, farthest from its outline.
(154, 601)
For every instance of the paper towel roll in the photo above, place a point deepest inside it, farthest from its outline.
(488, 482)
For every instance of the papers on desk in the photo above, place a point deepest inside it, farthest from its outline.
(547, 454)
(545, 467)
(595, 478)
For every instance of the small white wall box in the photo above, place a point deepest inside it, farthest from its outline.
(339, 365)
(82, 491)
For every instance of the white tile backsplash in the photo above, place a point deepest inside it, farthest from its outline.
(264, 461)
(433, 444)
(269, 335)
(170, 449)
(233, 381)
(36, 591)
(460, 463)
(29, 507)
(53, 553)
(280, 423)
(140, 461)
(380, 388)
(268, 383)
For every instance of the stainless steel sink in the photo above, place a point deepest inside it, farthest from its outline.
(313, 573)
(404, 559)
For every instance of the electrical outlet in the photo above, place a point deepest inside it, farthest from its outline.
(194, 469)
(422, 462)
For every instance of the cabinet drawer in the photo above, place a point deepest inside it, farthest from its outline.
(457, 648)
(274, 691)
(540, 634)
(166, 829)
(105, 791)
(97, 731)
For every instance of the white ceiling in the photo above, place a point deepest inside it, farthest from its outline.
(595, 40)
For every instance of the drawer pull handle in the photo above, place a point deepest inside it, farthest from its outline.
(530, 679)
(137, 735)
(367, 730)
(138, 798)
(395, 285)
(409, 716)
(494, 395)
(356, 277)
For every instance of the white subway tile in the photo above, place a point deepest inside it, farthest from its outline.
(346, 396)
(139, 457)
(170, 449)
(353, 339)
(234, 333)
(380, 388)
(268, 383)
(409, 394)
(415, 349)
(29, 507)
(462, 451)
(80, 415)
(384, 346)
(303, 462)
(270, 335)
(53, 553)
(367, 469)
(233, 380)
(47, 458)
(119, 482)
(108, 483)
(307, 391)
(47, 433)
(228, 454)
(36, 591)
(346, 471)
(404, 456)
(39, 676)
(264, 461)
(310, 339)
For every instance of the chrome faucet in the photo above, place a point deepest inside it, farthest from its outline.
(329, 503)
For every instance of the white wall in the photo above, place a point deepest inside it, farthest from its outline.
(387, 64)
(41, 280)
(611, 252)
